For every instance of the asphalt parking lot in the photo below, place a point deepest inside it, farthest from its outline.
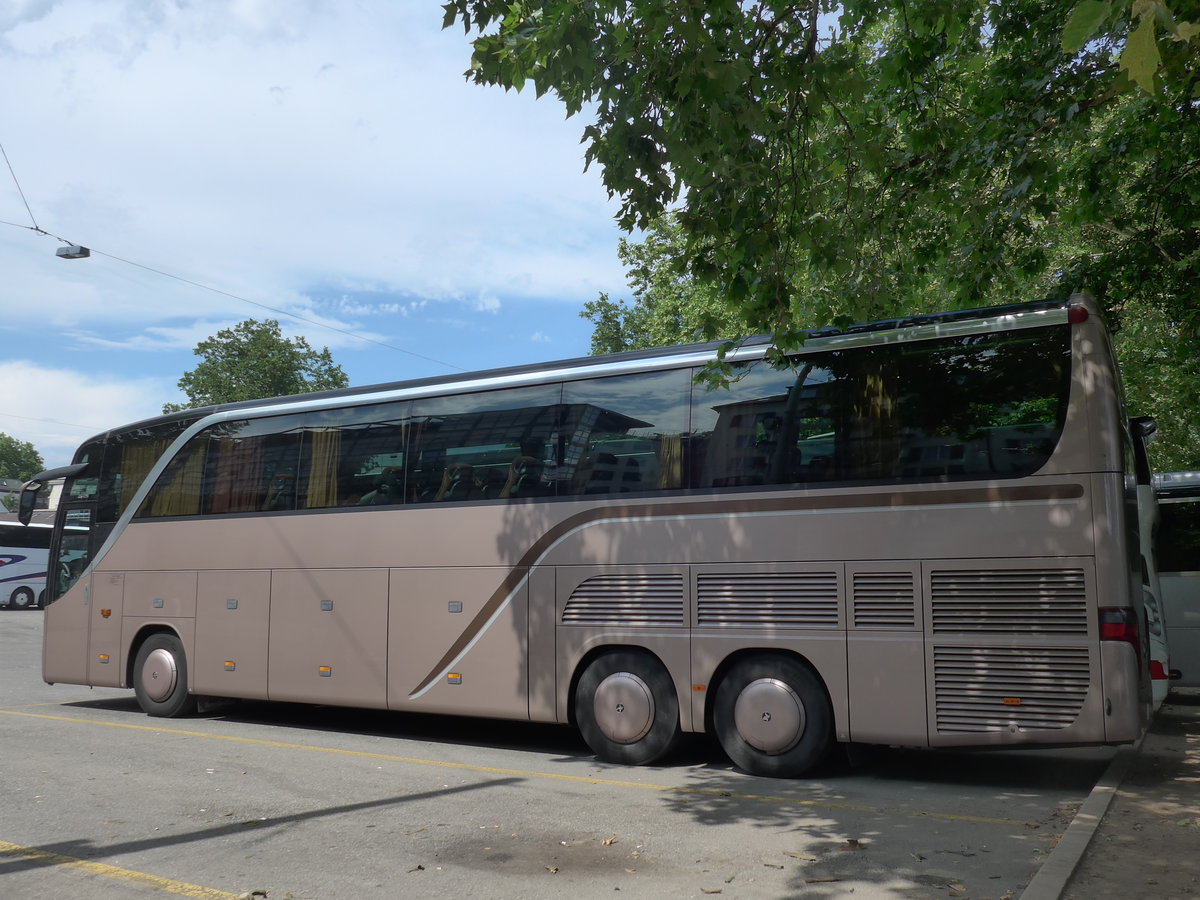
(315, 803)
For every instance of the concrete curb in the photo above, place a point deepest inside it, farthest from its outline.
(1051, 879)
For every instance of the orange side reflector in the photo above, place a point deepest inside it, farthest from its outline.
(1012, 701)
(103, 657)
(230, 665)
(454, 678)
(325, 671)
(105, 613)
(699, 687)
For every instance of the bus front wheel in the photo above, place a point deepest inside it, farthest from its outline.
(22, 598)
(773, 716)
(627, 708)
(160, 677)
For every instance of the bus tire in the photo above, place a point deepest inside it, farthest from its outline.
(160, 677)
(22, 598)
(627, 708)
(773, 717)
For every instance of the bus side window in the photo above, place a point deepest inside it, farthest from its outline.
(625, 433)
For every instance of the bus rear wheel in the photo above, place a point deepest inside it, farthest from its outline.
(773, 716)
(160, 677)
(22, 598)
(627, 708)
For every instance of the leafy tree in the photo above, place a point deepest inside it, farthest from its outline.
(19, 459)
(669, 305)
(913, 156)
(254, 360)
(1160, 361)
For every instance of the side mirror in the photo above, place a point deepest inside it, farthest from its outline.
(28, 501)
(30, 491)
(1146, 426)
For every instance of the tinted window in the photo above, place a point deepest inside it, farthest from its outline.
(310, 460)
(496, 445)
(981, 406)
(127, 458)
(625, 434)
(1178, 547)
(25, 537)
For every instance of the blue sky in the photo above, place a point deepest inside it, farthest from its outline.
(325, 159)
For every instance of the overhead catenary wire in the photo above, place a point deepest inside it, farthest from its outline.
(19, 190)
(298, 318)
(230, 294)
(6, 415)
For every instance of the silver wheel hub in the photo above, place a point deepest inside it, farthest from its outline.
(769, 716)
(624, 708)
(159, 675)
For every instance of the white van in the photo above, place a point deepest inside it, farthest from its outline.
(1178, 552)
(24, 554)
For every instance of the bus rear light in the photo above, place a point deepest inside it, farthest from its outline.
(1077, 315)
(1119, 623)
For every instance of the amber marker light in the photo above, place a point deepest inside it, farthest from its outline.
(105, 613)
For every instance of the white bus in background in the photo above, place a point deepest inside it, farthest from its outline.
(24, 551)
(1178, 552)
(1143, 430)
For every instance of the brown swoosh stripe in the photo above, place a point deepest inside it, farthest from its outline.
(795, 503)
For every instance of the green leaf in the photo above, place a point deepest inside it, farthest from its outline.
(1140, 57)
(1185, 31)
(1082, 23)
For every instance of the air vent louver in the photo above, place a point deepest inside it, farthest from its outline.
(989, 689)
(1010, 601)
(884, 600)
(773, 599)
(635, 599)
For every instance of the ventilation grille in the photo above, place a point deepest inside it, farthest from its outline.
(1022, 601)
(988, 689)
(780, 599)
(627, 600)
(885, 600)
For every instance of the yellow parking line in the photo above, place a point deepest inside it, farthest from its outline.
(128, 876)
(551, 776)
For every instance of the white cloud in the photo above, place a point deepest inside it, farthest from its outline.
(56, 409)
(326, 160)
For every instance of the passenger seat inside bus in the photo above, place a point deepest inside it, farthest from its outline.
(524, 479)
(457, 482)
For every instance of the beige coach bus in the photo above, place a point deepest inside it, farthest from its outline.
(918, 532)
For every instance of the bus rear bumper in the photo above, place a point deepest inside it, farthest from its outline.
(1126, 710)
